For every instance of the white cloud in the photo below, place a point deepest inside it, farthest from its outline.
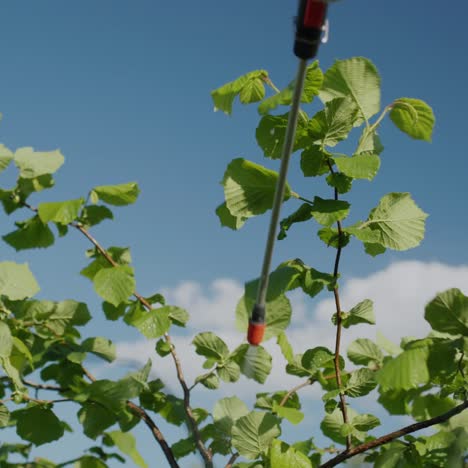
(400, 293)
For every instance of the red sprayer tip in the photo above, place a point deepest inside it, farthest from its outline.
(255, 333)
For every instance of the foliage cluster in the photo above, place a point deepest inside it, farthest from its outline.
(41, 347)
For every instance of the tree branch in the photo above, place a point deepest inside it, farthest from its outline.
(232, 460)
(295, 390)
(339, 327)
(394, 435)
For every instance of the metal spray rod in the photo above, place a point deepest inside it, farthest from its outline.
(309, 25)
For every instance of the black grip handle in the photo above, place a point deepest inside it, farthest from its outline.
(310, 19)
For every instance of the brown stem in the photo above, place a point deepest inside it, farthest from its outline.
(394, 435)
(339, 322)
(231, 461)
(295, 390)
(156, 433)
(41, 386)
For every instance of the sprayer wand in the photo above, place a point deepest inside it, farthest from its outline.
(309, 25)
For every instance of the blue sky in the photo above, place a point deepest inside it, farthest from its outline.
(123, 89)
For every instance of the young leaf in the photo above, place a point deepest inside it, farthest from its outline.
(4, 416)
(119, 195)
(314, 281)
(333, 124)
(227, 219)
(115, 285)
(38, 425)
(359, 166)
(126, 443)
(6, 340)
(16, 281)
(332, 237)
(327, 212)
(95, 214)
(278, 315)
(178, 316)
(358, 79)
(361, 313)
(31, 234)
(249, 188)
(5, 157)
(304, 213)
(254, 362)
(281, 455)
(370, 142)
(95, 419)
(312, 84)
(316, 359)
(253, 433)
(163, 348)
(413, 117)
(153, 323)
(285, 346)
(271, 132)
(361, 382)
(224, 96)
(33, 164)
(211, 346)
(229, 371)
(60, 212)
(341, 182)
(448, 312)
(364, 352)
(332, 423)
(210, 381)
(400, 222)
(293, 415)
(102, 347)
(314, 161)
(226, 412)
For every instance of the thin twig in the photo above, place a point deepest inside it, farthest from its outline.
(339, 327)
(295, 390)
(232, 460)
(394, 435)
(41, 386)
(156, 433)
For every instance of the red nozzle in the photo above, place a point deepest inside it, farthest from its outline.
(255, 333)
(314, 14)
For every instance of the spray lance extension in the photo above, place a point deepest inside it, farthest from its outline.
(310, 23)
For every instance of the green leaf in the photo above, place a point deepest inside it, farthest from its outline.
(254, 361)
(271, 133)
(120, 255)
(118, 195)
(359, 166)
(315, 359)
(327, 212)
(14, 374)
(178, 316)
(374, 249)
(448, 312)
(126, 444)
(281, 455)
(154, 323)
(210, 381)
(88, 462)
(5, 157)
(16, 281)
(226, 412)
(332, 238)
(332, 423)
(356, 78)
(361, 313)
(387, 345)
(249, 188)
(400, 222)
(32, 234)
(227, 219)
(102, 347)
(314, 281)
(333, 124)
(253, 433)
(285, 346)
(115, 285)
(304, 213)
(229, 371)
(60, 212)
(408, 370)
(314, 161)
(211, 346)
(95, 419)
(38, 425)
(312, 84)
(364, 352)
(6, 340)
(33, 164)
(59, 315)
(341, 182)
(224, 96)
(361, 382)
(95, 214)
(163, 348)
(252, 91)
(370, 141)
(278, 315)
(4, 416)
(293, 415)
(413, 117)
